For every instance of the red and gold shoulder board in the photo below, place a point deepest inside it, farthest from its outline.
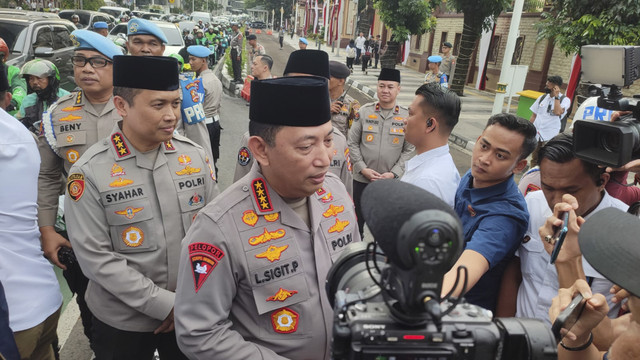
(121, 147)
(261, 195)
(168, 146)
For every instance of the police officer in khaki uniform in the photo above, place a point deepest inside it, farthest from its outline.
(130, 200)
(308, 62)
(236, 53)
(144, 38)
(448, 61)
(251, 283)
(343, 106)
(376, 138)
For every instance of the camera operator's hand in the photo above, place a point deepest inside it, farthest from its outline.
(633, 166)
(616, 115)
(336, 106)
(570, 250)
(595, 310)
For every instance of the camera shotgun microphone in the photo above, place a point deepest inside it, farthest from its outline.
(422, 238)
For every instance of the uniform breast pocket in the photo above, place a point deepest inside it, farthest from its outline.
(396, 137)
(68, 144)
(135, 237)
(192, 200)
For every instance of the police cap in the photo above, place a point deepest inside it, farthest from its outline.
(199, 51)
(435, 59)
(89, 40)
(145, 27)
(338, 70)
(100, 25)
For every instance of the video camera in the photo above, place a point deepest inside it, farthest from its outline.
(610, 143)
(387, 303)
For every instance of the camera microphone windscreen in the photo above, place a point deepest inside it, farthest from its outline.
(615, 257)
(388, 204)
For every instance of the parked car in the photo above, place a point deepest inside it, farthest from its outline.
(258, 25)
(29, 13)
(30, 36)
(201, 15)
(116, 12)
(171, 31)
(87, 17)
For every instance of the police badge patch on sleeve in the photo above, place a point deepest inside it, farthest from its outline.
(204, 258)
(244, 156)
(75, 186)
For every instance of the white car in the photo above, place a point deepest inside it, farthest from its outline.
(175, 42)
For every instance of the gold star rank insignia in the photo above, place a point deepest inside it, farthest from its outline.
(261, 195)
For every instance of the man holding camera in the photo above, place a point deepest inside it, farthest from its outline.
(548, 112)
(254, 263)
(535, 279)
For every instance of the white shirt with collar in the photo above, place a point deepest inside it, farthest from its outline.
(434, 171)
(539, 278)
(547, 123)
(360, 42)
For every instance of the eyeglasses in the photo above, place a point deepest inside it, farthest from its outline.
(96, 62)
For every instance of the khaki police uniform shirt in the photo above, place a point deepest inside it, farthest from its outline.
(251, 283)
(447, 65)
(212, 95)
(127, 213)
(377, 142)
(69, 127)
(236, 42)
(340, 164)
(344, 119)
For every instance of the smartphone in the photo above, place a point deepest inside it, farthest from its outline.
(559, 236)
(568, 317)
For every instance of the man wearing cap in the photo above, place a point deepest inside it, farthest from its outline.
(254, 263)
(261, 67)
(198, 58)
(547, 113)
(131, 198)
(434, 75)
(144, 38)
(376, 138)
(302, 43)
(101, 28)
(343, 106)
(236, 53)
(255, 49)
(69, 127)
(448, 60)
(201, 39)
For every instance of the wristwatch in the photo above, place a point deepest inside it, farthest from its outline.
(557, 97)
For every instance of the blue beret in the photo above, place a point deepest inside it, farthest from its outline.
(145, 27)
(100, 25)
(435, 58)
(199, 51)
(304, 41)
(89, 40)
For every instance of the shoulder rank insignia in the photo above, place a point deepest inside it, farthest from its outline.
(79, 98)
(321, 191)
(347, 158)
(168, 146)
(396, 110)
(377, 108)
(272, 253)
(129, 212)
(272, 217)
(284, 321)
(333, 210)
(250, 217)
(204, 258)
(282, 295)
(211, 172)
(266, 236)
(338, 226)
(75, 186)
(121, 147)
(244, 156)
(261, 195)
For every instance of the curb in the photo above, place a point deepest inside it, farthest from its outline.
(220, 70)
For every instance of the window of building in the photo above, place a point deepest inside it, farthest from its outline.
(494, 50)
(418, 41)
(517, 52)
(456, 44)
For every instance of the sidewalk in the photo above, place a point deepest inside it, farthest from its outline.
(476, 104)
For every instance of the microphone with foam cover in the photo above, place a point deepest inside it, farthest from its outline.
(388, 204)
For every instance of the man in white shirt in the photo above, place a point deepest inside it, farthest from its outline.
(432, 115)
(30, 285)
(548, 111)
(560, 173)
(359, 47)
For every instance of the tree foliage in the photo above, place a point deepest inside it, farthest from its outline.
(406, 17)
(86, 4)
(272, 5)
(573, 23)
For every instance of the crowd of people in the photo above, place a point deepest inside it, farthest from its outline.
(164, 262)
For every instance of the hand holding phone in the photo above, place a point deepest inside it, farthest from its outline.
(559, 237)
(568, 317)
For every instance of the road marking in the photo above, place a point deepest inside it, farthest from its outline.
(67, 321)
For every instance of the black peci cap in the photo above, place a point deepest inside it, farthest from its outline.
(311, 62)
(307, 98)
(338, 70)
(146, 72)
(389, 75)
(447, 44)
